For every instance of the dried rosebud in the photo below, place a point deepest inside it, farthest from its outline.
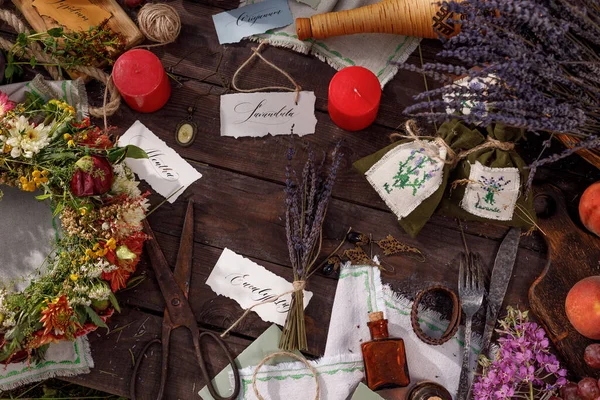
(93, 176)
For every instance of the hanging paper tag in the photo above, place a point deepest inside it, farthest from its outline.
(492, 192)
(248, 283)
(234, 25)
(260, 114)
(477, 107)
(164, 169)
(407, 175)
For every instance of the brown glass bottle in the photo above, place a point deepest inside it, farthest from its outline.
(384, 357)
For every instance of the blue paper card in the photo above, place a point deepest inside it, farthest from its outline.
(234, 25)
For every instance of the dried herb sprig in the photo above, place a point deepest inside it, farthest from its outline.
(95, 46)
(307, 199)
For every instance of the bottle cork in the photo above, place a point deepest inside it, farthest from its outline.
(376, 316)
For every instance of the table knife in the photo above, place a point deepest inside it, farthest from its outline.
(501, 274)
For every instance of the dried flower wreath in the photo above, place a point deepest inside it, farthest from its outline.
(76, 167)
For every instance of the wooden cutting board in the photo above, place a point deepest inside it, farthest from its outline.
(573, 254)
(76, 15)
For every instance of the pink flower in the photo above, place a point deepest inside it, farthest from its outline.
(5, 104)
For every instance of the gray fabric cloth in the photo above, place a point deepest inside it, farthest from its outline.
(26, 236)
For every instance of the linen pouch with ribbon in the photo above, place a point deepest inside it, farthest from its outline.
(489, 183)
(411, 175)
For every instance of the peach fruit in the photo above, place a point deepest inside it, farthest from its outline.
(583, 307)
(589, 208)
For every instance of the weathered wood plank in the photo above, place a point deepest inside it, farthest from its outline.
(220, 312)
(225, 152)
(268, 154)
(247, 216)
(311, 74)
(113, 360)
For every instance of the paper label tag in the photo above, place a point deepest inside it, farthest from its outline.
(164, 169)
(248, 283)
(407, 175)
(260, 114)
(75, 15)
(234, 25)
(467, 106)
(492, 192)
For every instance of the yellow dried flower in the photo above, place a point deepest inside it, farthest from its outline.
(111, 244)
(74, 277)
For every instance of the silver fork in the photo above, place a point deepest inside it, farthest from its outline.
(471, 290)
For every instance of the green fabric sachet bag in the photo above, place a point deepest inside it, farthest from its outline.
(488, 184)
(411, 175)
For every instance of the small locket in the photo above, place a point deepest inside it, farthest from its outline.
(185, 133)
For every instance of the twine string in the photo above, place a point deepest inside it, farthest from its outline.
(256, 53)
(298, 285)
(288, 354)
(160, 23)
(452, 157)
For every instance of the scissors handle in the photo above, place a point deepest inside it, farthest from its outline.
(164, 341)
(197, 338)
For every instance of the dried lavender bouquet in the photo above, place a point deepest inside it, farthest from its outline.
(306, 202)
(543, 60)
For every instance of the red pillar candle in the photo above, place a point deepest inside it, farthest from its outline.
(142, 81)
(354, 96)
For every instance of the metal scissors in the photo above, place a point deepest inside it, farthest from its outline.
(178, 313)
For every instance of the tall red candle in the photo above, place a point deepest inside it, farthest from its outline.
(142, 81)
(354, 96)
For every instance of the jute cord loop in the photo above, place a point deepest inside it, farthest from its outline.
(298, 287)
(452, 157)
(256, 53)
(288, 354)
(109, 108)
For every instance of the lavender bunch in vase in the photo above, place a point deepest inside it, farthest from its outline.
(523, 366)
(307, 199)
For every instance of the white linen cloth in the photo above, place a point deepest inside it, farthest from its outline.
(360, 292)
(370, 50)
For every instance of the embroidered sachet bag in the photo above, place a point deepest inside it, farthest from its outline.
(489, 184)
(411, 175)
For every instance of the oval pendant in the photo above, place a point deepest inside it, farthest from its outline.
(185, 133)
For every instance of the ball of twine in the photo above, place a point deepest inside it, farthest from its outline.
(159, 22)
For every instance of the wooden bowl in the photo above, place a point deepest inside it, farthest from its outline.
(592, 155)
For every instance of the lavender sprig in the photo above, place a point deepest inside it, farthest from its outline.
(541, 53)
(307, 200)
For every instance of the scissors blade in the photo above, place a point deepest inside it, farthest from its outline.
(503, 267)
(180, 311)
(183, 266)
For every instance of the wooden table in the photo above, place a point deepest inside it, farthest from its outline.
(240, 206)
